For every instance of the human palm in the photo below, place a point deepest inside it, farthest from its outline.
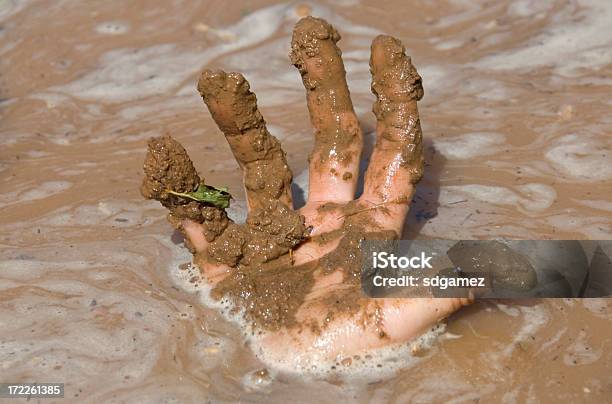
(295, 274)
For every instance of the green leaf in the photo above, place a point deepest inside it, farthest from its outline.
(219, 197)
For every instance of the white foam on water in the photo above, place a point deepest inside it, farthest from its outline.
(83, 325)
(470, 145)
(133, 73)
(554, 340)
(533, 197)
(454, 388)
(9, 8)
(487, 89)
(30, 269)
(359, 55)
(532, 319)
(601, 307)
(215, 350)
(598, 204)
(75, 342)
(582, 156)
(129, 74)
(105, 213)
(367, 364)
(35, 154)
(51, 99)
(449, 45)
(580, 352)
(44, 190)
(593, 227)
(537, 197)
(41, 191)
(528, 8)
(258, 380)
(160, 108)
(459, 16)
(112, 28)
(5, 48)
(568, 44)
(512, 311)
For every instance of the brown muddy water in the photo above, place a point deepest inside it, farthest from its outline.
(516, 117)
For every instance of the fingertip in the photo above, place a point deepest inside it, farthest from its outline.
(167, 166)
(308, 35)
(394, 77)
(207, 81)
(309, 29)
(385, 50)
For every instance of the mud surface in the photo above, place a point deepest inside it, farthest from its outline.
(517, 145)
(269, 233)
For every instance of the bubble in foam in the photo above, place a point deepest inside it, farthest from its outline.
(258, 379)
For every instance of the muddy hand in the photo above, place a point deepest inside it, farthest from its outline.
(296, 274)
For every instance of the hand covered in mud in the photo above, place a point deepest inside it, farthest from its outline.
(295, 274)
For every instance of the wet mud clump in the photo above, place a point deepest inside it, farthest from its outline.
(167, 169)
(269, 295)
(270, 232)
